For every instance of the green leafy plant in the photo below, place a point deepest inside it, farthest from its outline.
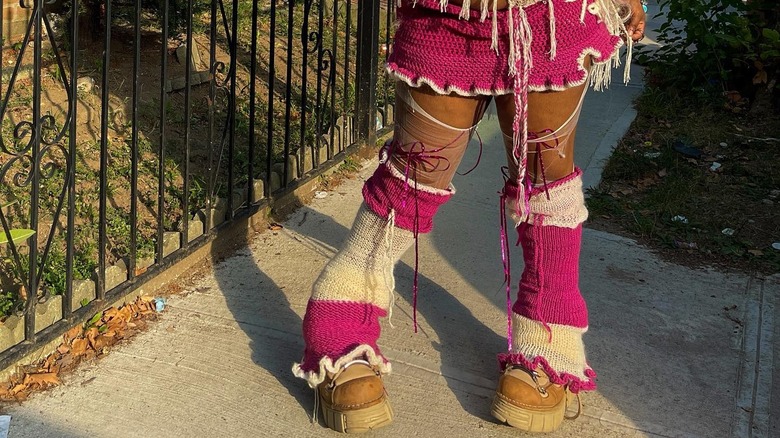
(716, 46)
(17, 235)
(14, 235)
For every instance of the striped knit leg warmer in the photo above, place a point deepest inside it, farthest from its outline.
(356, 287)
(550, 315)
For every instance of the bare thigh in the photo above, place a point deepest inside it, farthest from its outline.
(548, 111)
(438, 135)
(451, 109)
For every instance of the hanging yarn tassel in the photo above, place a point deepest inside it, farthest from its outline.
(553, 36)
(520, 68)
(506, 262)
(389, 263)
(465, 9)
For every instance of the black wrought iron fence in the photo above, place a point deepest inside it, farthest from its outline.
(130, 131)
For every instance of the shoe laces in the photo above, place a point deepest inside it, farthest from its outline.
(539, 387)
(579, 405)
(332, 383)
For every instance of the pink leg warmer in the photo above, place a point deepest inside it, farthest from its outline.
(549, 316)
(549, 290)
(414, 205)
(337, 329)
(356, 287)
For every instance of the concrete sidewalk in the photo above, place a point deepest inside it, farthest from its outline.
(679, 352)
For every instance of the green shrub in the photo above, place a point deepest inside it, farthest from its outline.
(717, 46)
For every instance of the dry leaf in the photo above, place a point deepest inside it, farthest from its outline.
(66, 362)
(273, 226)
(733, 96)
(79, 346)
(42, 379)
(761, 77)
(49, 362)
(18, 388)
(102, 342)
(126, 313)
(114, 324)
(91, 334)
(110, 313)
(72, 333)
(662, 173)
(756, 252)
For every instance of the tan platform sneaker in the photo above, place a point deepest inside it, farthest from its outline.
(528, 400)
(354, 399)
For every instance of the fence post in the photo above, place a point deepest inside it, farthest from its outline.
(366, 69)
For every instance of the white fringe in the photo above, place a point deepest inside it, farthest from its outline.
(512, 52)
(314, 378)
(389, 264)
(553, 37)
(494, 43)
(316, 406)
(609, 14)
(465, 9)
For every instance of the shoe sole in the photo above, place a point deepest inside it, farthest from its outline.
(525, 419)
(359, 420)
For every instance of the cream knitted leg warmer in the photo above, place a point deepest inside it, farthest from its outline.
(356, 287)
(550, 316)
(353, 291)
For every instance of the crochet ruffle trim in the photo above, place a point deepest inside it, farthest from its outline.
(600, 77)
(575, 384)
(327, 365)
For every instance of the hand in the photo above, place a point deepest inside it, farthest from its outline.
(636, 23)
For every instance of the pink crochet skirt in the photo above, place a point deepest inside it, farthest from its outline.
(535, 45)
(454, 55)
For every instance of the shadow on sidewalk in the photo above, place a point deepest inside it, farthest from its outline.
(263, 309)
(648, 317)
(263, 312)
(444, 313)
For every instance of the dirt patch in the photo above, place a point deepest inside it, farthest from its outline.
(698, 183)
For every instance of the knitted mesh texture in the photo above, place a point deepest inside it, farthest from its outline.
(565, 208)
(352, 292)
(455, 55)
(549, 289)
(362, 270)
(356, 286)
(550, 314)
(563, 359)
(413, 205)
(337, 332)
